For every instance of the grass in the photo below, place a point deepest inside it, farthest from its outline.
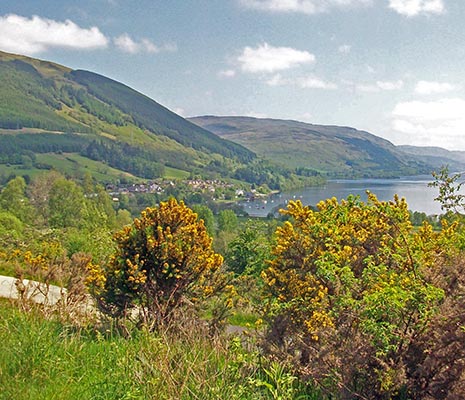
(47, 359)
(75, 165)
(72, 164)
(173, 173)
(243, 319)
(7, 268)
(41, 360)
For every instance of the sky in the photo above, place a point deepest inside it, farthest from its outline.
(394, 68)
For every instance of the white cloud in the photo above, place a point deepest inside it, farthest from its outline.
(435, 123)
(125, 43)
(367, 88)
(277, 80)
(266, 58)
(411, 8)
(444, 109)
(308, 82)
(301, 6)
(315, 83)
(344, 49)
(35, 35)
(381, 86)
(227, 73)
(431, 87)
(149, 46)
(390, 85)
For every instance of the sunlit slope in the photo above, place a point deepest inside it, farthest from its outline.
(333, 150)
(99, 115)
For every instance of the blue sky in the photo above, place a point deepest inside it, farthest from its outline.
(392, 67)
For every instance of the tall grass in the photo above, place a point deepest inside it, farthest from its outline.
(45, 359)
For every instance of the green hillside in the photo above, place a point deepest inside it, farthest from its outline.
(331, 150)
(436, 156)
(147, 114)
(28, 99)
(46, 108)
(102, 125)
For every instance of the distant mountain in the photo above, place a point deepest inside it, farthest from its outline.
(437, 156)
(54, 117)
(332, 150)
(49, 108)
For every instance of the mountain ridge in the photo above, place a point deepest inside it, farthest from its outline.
(109, 122)
(42, 97)
(337, 151)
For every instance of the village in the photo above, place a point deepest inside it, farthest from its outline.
(218, 189)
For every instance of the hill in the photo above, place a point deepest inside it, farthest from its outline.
(332, 150)
(437, 156)
(78, 121)
(46, 108)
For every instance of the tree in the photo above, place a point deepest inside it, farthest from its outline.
(123, 217)
(66, 204)
(10, 226)
(227, 220)
(163, 259)
(13, 199)
(99, 211)
(450, 195)
(248, 252)
(349, 291)
(39, 194)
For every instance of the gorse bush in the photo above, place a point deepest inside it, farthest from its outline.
(163, 260)
(358, 303)
(351, 289)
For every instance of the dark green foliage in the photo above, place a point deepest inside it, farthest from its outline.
(263, 172)
(29, 100)
(115, 125)
(227, 221)
(13, 199)
(13, 147)
(248, 252)
(382, 155)
(148, 114)
(417, 218)
(72, 97)
(138, 161)
(66, 205)
(10, 226)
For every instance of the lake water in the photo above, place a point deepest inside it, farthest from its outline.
(419, 196)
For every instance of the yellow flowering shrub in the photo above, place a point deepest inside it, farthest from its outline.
(163, 258)
(352, 274)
